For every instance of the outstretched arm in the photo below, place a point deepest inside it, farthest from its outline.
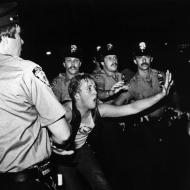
(138, 106)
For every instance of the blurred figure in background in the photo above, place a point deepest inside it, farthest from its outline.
(97, 61)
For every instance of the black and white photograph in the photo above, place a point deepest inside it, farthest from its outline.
(94, 94)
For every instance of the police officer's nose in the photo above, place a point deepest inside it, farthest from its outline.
(143, 60)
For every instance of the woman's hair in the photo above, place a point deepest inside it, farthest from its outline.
(75, 83)
(8, 31)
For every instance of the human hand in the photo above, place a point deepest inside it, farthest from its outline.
(62, 151)
(167, 84)
(119, 86)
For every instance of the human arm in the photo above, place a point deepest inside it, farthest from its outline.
(60, 131)
(123, 97)
(105, 94)
(50, 113)
(138, 106)
(68, 116)
(58, 87)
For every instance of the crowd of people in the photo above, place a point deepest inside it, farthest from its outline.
(101, 130)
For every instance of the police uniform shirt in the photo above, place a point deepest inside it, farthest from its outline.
(105, 82)
(27, 106)
(141, 88)
(60, 87)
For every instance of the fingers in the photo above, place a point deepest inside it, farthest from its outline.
(118, 84)
(63, 152)
(168, 82)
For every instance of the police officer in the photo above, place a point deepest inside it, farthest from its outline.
(148, 152)
(72, 56)
(29, 113)
(109, 81)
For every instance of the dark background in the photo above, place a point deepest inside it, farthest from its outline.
(164, 24)
(48, 25)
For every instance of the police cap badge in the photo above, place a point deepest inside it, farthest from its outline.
(108, 49)
(72, 51)
(142, 49)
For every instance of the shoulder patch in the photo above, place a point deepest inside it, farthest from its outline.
(39, 73)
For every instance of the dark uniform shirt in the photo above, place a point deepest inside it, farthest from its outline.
(141, 88)
(27, 106)
(105, 82)
(60, 87)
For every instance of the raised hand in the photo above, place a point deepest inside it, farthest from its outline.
(119, 86)
(167, 84)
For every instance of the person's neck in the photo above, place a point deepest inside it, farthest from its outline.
(83, 111)
(110, 73)
(144, 73)
(69, 76)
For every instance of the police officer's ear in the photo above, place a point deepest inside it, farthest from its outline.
(151, 59)
(80, 63)
(134, 60)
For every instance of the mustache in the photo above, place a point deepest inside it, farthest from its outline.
(145, 64)
(72, 68)
(114, 64)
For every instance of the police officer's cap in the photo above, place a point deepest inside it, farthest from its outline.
(109, 49)
(8, 14)
(142, 49)
(72, 51)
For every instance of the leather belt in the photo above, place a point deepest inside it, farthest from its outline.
(37, 171)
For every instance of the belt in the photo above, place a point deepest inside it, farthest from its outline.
(37, 171)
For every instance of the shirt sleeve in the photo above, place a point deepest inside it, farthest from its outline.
(42, 96)
(57, 88)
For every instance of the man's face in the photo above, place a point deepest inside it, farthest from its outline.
(15, 44)
(110, 63)
(143, 62)
(87, 95)
(72, 65)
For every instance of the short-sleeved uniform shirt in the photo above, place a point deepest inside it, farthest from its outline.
(141, 88)
(60, 87)
(27, 107)
(105, 82)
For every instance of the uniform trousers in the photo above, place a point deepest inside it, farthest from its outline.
(31, 179)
